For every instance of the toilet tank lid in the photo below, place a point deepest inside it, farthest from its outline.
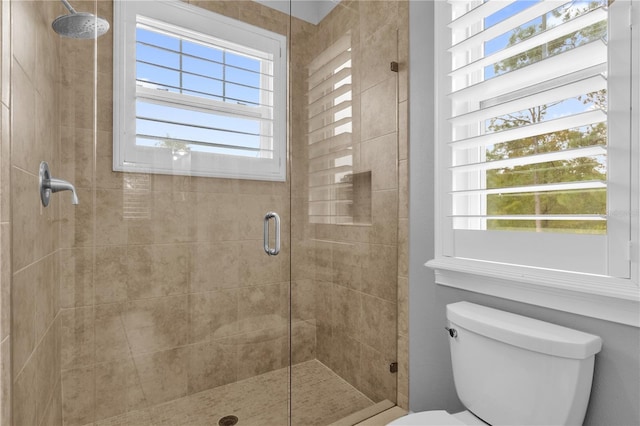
(524, 332)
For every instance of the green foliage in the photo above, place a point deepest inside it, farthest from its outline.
(554, 47)
(580, 169)
(176, 146)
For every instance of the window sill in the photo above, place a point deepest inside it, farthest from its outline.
(610, 299)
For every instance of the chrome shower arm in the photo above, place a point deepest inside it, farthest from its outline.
(57, 185)
(49, 185)
(68, 6)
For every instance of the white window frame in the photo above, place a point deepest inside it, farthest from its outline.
(605, 297)
(181, 18)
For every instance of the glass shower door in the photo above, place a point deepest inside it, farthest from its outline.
(345, 192)
(171, 312)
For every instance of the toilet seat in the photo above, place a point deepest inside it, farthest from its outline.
(427, 418)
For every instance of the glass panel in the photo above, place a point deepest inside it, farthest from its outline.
(344, 287)
(172, 311)
(160, 304)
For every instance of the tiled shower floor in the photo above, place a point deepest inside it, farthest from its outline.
(320, 397)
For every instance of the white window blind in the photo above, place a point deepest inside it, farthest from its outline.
(529, 125)
(174, 72)
(204, 95)
(330, 135)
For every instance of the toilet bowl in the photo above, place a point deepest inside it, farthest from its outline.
(438, 417)
(489, 348)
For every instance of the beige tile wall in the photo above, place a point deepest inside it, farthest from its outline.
(31, 134)
(5, 215)
(358, 272)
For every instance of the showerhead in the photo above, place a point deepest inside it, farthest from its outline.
(79, 24)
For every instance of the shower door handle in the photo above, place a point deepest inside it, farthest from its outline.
(271, 251)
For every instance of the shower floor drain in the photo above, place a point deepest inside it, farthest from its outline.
(228, 421)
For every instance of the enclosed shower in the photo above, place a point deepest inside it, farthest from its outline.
(189, 285)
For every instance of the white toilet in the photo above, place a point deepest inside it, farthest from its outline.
(513, 370)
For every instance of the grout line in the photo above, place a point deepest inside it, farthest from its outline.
(343, 380)
(53, 253)
(49, 403)
(35, 347)
(135, 367)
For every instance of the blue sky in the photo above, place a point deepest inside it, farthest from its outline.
(566, 107)
(208, 72)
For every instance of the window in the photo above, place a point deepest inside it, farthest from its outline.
(537, 134)
(197, 93)
(536, 152)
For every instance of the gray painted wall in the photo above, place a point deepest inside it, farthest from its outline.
(615, 396)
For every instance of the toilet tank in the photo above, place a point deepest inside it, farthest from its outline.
(514, 370)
